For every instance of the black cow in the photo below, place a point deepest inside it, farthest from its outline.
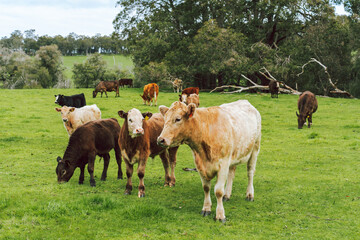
(77, 100)
(126, 82)
(93, 138)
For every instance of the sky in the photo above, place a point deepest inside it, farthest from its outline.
(58, 17)
(61, 17)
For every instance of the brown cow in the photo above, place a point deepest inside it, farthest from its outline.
(307, 105)
(137, 142)
(107, 86)
(220, 138)
(193, 98)
(151, 91)
(274, 88)
(126, 82)
(186, 93)
(91, 139)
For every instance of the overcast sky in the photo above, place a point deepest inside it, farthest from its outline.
(61, 17)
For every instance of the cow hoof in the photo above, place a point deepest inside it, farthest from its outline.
(205, 213)
(103, 179)
(249, 199)
(166, 184)
(127, 193)
(225, 199)
(120, 177)
(92, 183)
(141, 195)
(80, 183)
(222, 220)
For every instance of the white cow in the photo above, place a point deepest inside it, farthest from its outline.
(75, 117)
(220, 138)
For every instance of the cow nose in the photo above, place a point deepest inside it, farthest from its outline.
(139, 131)
(161, 141)
(64, 120)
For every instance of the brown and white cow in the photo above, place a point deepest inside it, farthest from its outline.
(220, 138)
(186, 93)
(138, 142)
(177, 85)
(107, 86)
(307, 105)
(193, 98)
(91, 139)
(75, 117)
(151, 92)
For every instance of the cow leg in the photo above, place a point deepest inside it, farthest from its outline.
(118, 160)
(309, 120)
(165, 161)
(82, 172)
(129, 173)
(219, 192)
(251, 164)
(172, 160)
(91, 163)
(229, 183)
(106, 165)
(206, 210)
(141, 174)
(106, 93)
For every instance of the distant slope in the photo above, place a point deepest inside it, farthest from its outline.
(124, 62)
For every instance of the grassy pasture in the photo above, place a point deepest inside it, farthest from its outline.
(306, 184)
(118, 61)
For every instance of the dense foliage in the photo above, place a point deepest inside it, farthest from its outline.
(209, 43)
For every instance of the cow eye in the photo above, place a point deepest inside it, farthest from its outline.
(178, 119)
(130, 120)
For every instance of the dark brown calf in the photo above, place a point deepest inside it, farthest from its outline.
(107, 86)
(138, 142)
(126, 82)
(274, 88)
(307, 105)
(91, 139)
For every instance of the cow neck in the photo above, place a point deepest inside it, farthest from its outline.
(72, 153)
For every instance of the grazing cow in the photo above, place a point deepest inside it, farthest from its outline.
(186, 93)
(126, 82)
(107, 86)
(77, 100)
(193, 98)
(151, 91)
(177, 85)
(75, 117)
(274, 88)
(220, 138)
(91, 139)
(137, 142)
(307, 105)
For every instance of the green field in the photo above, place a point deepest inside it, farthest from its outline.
(118, 61)
(306, 184)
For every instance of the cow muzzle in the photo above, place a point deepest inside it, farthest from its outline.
(65, 120)
(138, 132)
(162, 142)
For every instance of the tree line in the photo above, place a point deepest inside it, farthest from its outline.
(70, 45)
(210, 43)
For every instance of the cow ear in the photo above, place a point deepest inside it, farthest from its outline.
(163, 109)
(58, 109)
(72, 109)
(297, 114)
(122, 114)
(191, 110)
(58, 159)
(147, 115)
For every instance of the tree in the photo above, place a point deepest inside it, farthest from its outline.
(88, 73)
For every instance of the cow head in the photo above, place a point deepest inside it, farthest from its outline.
(94, 94)
(134, 119)
(176, 127)
(301, 120)
(63, 170)
(59, 99)
(65, 112)
(183, 98)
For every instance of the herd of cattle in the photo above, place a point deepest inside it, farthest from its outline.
(220, 137)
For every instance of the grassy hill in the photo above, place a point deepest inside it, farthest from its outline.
(123, 62)
(306, 181)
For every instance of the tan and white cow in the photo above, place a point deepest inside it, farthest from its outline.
(75, 117)
(220, 138)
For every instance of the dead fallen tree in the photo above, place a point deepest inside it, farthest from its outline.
(336, 89)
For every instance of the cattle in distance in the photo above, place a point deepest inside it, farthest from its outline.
(107, 86)
(307, 105)
(77, 100)
(150, 94)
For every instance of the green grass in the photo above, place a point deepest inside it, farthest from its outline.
(118, 61)
(306, 183)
